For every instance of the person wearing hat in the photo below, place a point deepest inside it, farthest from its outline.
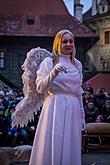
(2, 126)
(1, 96)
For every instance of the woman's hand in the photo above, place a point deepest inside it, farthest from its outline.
(58, 68)
(83, 125)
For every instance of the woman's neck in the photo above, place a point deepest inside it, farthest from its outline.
(65, 58)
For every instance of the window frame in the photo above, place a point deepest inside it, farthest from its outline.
(30, 20)
(2, 59)
(105, 42)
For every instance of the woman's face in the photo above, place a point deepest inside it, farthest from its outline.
(67, 44)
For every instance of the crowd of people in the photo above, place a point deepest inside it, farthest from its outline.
(96, 106)
(13, 136)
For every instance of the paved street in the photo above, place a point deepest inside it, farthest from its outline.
(91, 158)
(96, 158)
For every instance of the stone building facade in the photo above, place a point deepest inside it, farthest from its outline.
(32, 23)
(98, 19)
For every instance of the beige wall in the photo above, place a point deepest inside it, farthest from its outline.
(100, 50)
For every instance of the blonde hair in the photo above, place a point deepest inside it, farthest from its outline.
(57, 43)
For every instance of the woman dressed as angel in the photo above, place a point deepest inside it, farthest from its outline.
(58, 136)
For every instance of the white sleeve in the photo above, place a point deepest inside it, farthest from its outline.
(82, 112)
(45, 75)
(80, 98)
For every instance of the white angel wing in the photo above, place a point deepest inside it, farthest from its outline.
(32, 100)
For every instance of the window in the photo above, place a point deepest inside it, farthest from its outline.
(107, 37)
(30, 20)
(2, 59)
(103, 8)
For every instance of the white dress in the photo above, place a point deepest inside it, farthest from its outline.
(58, 136)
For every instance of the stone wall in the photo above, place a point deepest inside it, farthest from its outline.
(99, 54)
(15, 50)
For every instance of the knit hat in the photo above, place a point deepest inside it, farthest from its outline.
(107, 102)
(2, 93)
(1, 107)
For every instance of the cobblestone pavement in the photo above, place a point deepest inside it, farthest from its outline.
(96, 158)
(92, 158)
